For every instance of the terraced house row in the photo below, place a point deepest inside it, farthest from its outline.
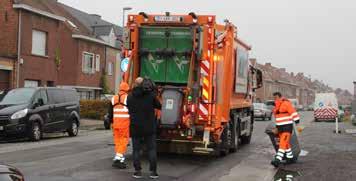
(295, 86)
(47, 43)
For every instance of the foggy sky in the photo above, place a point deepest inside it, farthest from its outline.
(316, 37)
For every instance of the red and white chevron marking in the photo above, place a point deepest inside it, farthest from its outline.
(325, 113)
(204, 108)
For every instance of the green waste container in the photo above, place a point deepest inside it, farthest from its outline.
(165, 53)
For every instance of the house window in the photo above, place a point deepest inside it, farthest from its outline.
(39, 43)
(110, 68)
(88, 63)
(97, 66)
(31, 83)
(86, 94)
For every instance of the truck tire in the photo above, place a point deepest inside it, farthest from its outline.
(235, 129)
(226, 140)
(246, 139)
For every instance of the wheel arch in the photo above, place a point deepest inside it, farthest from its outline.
(75, 115)
(36, 118)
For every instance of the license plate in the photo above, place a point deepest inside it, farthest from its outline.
(1, 128)
(169, 19)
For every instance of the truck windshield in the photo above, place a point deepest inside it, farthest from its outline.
(18, 96)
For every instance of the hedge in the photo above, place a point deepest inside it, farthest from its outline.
(93, 109)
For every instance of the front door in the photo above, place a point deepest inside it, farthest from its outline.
(4, 80)
(56, 110)
(42, 109)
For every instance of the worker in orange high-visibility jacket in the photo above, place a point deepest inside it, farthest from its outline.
(285, 115)
(119, 114)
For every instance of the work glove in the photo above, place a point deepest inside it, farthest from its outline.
(275, 131)
(297, 121)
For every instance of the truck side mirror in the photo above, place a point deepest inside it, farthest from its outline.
(259, 78)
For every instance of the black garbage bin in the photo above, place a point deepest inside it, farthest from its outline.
(275, 140)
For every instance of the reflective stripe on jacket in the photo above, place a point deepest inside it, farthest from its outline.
(120, 111)
(285, 112)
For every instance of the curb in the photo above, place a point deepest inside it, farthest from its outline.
(91, 127)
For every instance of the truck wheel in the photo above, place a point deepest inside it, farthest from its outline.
(35, 132)
(226, 141)
(246, 139)
(235, 129)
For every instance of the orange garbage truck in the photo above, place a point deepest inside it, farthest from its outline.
(204, 77)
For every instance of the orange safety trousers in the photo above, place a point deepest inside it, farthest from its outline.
(284, 140)
(121, 133)
(121, 123)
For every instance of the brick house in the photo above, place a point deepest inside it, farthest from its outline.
(292, 86)
(276, 79)
(44, 44)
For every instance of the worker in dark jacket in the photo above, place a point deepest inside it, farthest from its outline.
(142, 103)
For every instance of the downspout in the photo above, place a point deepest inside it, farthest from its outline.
(104, 69)
(19, 50)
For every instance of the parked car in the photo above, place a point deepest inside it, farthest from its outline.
(270, 104)
(9, 173)
(30, 112)
(310, 107)
(106, 97)
(2, 94)
(107, 122)
(296, 104)
(262, 111)
(340, 113)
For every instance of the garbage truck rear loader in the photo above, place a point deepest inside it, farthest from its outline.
(204, 77)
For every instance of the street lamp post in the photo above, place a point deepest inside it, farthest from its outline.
(118, 65)
(123, 15)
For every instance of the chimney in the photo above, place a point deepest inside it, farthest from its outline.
(354, 90)
(292, 74)
(253, 61)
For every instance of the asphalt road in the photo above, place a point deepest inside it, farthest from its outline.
(88, 157)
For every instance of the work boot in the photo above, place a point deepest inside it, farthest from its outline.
(291, 161)
(137, 174)
(275, 162)
(289, 157)
(119, 164)
(154, 175)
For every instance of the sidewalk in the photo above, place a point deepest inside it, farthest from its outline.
(91, 124)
